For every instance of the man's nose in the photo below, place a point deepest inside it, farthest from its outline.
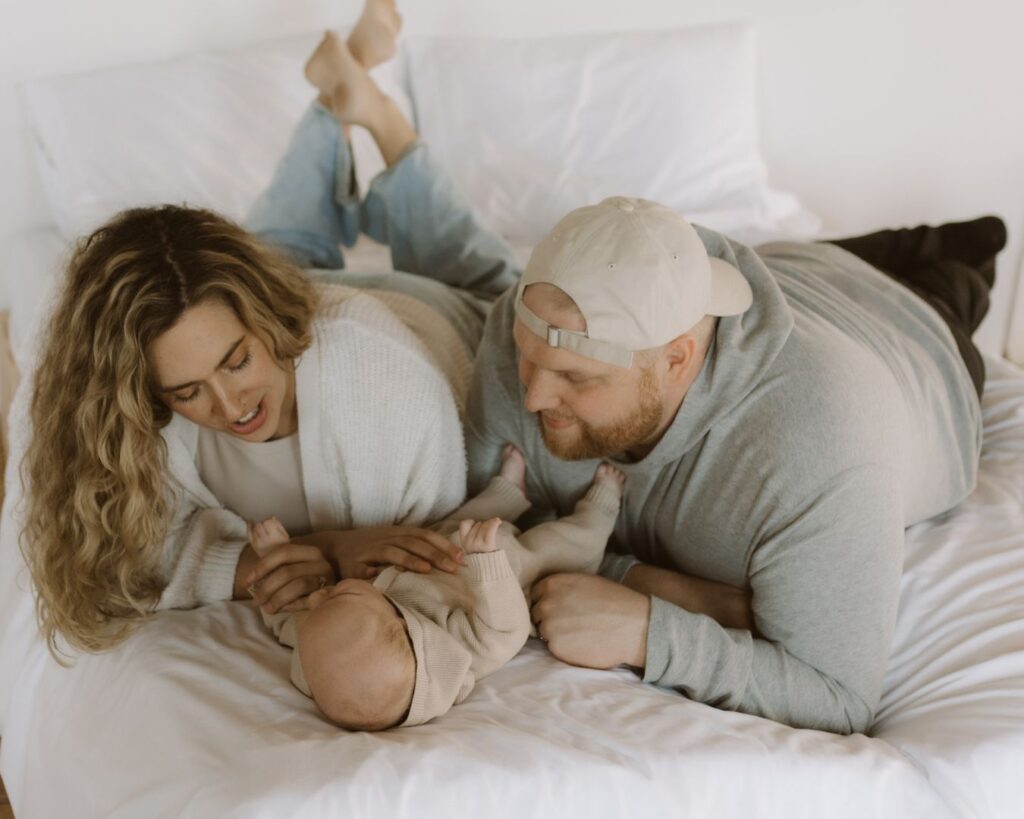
(541, 391)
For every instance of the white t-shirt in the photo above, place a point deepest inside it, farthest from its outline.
(255, 480)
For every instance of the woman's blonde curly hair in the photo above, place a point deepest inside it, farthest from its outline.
(97, 502)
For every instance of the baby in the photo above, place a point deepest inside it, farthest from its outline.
(406, 647)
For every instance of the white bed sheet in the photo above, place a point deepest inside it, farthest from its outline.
(194, 716)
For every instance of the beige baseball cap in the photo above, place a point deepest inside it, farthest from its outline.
(638, 272)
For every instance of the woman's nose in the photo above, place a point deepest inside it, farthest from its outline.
(229, 403)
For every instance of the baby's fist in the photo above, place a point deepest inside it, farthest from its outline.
(479, 536)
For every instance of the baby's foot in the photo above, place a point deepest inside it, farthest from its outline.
(513, 467)
(610, 478)
(266, 534)
(479, 536)
(345, 87)
(372, 39)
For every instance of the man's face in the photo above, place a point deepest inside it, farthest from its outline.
(585, 408)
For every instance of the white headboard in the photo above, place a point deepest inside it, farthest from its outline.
(874, 113)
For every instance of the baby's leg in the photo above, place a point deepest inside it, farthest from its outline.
(266, 534)
(503, 498)
(575, 543)
(513, 467)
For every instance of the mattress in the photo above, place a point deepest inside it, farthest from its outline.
(194, 715)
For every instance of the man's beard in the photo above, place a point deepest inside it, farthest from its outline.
(631, 432)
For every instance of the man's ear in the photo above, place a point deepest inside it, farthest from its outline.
(680, 356)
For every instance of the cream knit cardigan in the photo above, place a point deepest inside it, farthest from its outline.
(379, 435)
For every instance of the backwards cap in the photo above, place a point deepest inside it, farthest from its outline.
(639, 274)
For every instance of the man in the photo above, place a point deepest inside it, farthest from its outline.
(781, 417)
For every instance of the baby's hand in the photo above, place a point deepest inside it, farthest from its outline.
(479, 536)
(266, 534)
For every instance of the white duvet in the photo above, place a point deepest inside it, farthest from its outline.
(195, 716)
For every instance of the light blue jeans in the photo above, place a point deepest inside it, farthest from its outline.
(312, 208)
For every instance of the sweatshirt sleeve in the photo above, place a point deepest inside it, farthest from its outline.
(200, 557)
(825, 594)
(496, 628)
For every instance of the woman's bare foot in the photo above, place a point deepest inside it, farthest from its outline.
(372, 39)
(479, 536)
(346, 90)
(266, 534)
(610, 478)
(513, 467)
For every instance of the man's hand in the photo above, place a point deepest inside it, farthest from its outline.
(591, 621)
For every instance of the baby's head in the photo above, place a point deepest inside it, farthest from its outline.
(356, 656)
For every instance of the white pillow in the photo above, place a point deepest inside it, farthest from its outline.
(205, 129)
(533, 128)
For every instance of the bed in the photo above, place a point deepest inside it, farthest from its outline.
(194, 715)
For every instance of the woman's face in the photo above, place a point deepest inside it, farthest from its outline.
(210, 368)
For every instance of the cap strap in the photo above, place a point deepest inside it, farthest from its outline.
(574, 340)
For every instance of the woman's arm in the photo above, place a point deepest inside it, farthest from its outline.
(362, 553)
(200, 557)
(282, 579)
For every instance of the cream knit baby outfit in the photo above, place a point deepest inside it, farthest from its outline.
(466, 625)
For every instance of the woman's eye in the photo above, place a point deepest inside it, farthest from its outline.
(184, 399)
(241, 365)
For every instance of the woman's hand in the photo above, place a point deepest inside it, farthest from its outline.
(365, 553)
(284, 578)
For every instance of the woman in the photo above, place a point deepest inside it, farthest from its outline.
(192, 378)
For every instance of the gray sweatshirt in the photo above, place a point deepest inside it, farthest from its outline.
(825, 420)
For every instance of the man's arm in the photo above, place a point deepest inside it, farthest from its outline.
(726, 605)
(825, 591)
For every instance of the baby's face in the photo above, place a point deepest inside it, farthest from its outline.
(356, 656)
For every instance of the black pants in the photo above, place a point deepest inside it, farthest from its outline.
(952, 267)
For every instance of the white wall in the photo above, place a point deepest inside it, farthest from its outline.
(879, 112)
